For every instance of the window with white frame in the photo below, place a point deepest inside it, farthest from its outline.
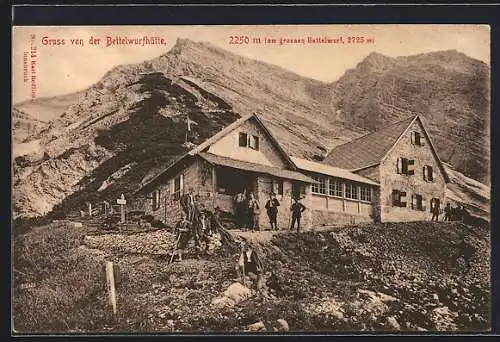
(315, 185)
(351, 191)
(335, 187)
(320, 186)
(366, 193)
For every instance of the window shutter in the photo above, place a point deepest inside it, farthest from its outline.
(402, 199)
(409, 167)
(413, 201)
(158, 197)
(413, 138)
(242, 139)
(398, 165)
(182, 183)
(172, 185)
(395, 198)
(422, 140)
(430, 173)
(404, 166)
(424, 170)
(424, 204)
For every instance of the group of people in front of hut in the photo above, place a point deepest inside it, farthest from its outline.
(248, 209)
(458, 213)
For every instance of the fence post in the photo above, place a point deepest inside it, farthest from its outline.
(110, 279)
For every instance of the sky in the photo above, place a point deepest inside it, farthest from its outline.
(61, 69)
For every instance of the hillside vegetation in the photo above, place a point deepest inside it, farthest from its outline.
(386, 277)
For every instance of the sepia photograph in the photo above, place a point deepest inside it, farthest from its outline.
(251, 179)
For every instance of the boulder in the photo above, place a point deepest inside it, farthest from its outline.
(282, 325)
(237, 292)
(258, 326)
(393, 323)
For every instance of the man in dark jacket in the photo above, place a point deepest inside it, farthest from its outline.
(239, 205)
(447, 212)
(272, 210)
(297, 209)
(435, 212)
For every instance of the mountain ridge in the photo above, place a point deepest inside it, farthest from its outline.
(215, 87)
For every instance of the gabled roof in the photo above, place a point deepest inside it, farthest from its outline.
(328, 170)
(212, 140)
(369, 150)
(258, 168)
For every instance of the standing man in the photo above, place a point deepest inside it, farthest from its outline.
(272, 210)
(297, 209)
(239, 205)
(253, 212)
(447, 212)
(187, 204)
(435, 212)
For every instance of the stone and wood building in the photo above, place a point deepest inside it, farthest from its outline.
(403, 160)
(357, 181)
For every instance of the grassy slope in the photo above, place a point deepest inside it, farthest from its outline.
(305, 274)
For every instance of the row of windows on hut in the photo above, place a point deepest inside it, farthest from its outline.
(334, 187)
(418, 202)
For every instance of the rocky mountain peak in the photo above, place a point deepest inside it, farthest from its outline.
(376, 62)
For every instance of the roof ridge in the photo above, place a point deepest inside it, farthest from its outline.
(370, 133)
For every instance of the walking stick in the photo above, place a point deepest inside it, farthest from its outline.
(243, 271)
